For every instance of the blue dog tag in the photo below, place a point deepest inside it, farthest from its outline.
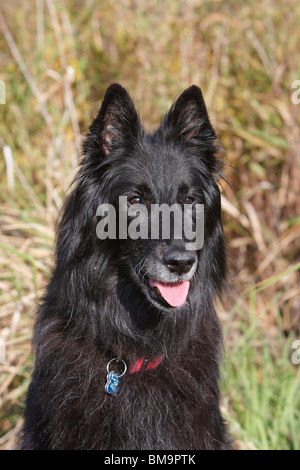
(112, 384)
(113, 379)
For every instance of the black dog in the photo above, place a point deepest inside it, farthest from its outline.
(127, 340)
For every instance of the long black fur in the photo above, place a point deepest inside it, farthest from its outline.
(96, 306)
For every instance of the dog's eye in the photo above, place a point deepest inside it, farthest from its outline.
(134, 200)
(189, 200)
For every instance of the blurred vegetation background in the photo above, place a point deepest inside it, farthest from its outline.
(56, 60)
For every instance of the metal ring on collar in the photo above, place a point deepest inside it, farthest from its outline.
(118, 360)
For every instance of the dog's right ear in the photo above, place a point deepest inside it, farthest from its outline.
(188, 121)
(116, 124)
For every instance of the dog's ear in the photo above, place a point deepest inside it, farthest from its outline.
(116, 124)
(188, 121)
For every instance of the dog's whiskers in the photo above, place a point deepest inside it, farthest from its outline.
(138, 269)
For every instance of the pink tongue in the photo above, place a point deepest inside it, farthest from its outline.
(174, 294)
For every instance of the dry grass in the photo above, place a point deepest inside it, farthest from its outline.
(56, 69)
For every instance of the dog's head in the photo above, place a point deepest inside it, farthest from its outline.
(152, 180)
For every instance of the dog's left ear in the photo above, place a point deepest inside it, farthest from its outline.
(188, 121)
(116, 124)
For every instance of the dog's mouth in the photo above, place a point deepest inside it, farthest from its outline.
(174, 295)
(168, 295)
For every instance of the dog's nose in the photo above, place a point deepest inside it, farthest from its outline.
(179, 261)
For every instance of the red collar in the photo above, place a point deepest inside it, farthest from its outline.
(144, 364)
(140, 364)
